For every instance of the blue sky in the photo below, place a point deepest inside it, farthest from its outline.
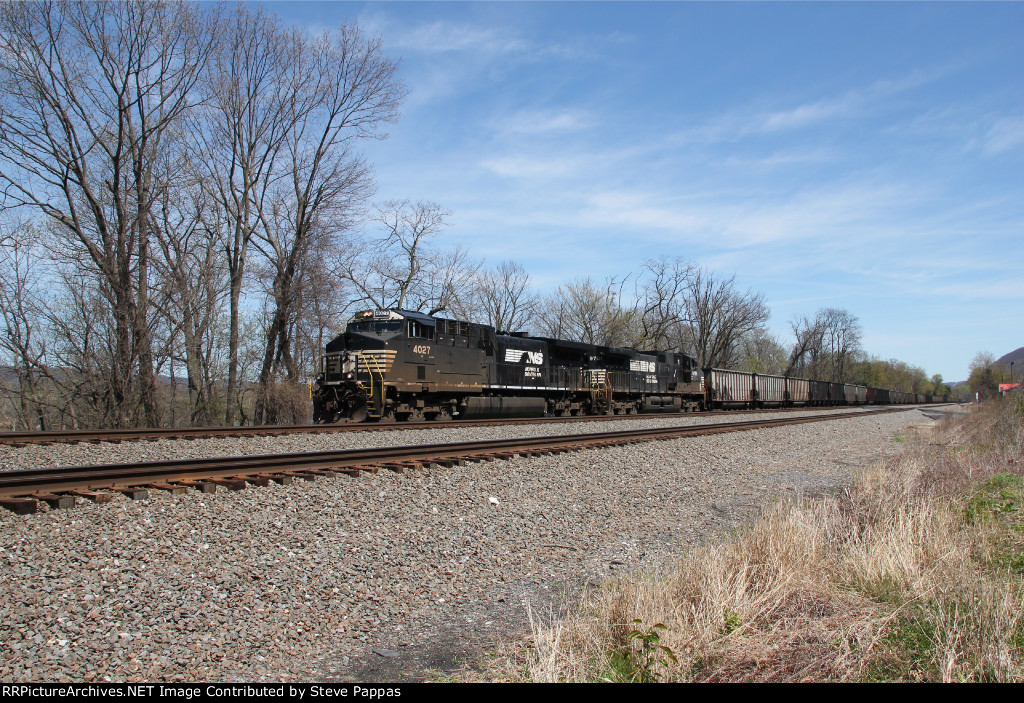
(868, 156)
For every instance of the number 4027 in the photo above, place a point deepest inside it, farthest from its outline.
(421, 349)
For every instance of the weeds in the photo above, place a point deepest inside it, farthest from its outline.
(640, 662)
(732, 622)
(913, 574)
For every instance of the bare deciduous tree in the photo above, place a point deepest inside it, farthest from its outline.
(403, 268)
(90, 91)
(253, 95)
(350, 90)
(194, 284)
(805, 357)
(663, 301)
(585, 312)
(825, 344)
(718, 317)
(841, 335)
(504, 298)
(763, 353)
(23, 344)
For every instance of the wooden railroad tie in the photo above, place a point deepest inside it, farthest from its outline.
(20, 506)
(401, 467)
(353, 471)
(132, 492)
(173, 489)
(233, 483)
(94, 496)
(201, 486)
(261, 481)
(55, 501)
(306, 474)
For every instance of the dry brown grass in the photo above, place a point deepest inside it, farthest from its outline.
(902, 577)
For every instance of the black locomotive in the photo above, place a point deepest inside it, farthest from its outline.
(399, 365)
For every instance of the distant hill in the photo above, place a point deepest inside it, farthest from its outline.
(1017, 355)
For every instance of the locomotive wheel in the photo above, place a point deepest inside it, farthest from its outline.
(445, 415)
(387, 417)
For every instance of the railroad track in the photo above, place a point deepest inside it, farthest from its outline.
(22, 490)
(154, 434)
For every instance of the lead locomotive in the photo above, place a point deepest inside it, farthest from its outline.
(400, 365)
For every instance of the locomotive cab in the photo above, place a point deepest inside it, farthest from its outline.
(355, 365)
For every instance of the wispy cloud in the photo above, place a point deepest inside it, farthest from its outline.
(755, 121)
(1006, 134)
(1004, 289)
(532, 167)
(803, 115)
(444, 36)
(820, 214)
(485, 41)
(780, 159)
(643, 211)
(543, 121)
(850, 104)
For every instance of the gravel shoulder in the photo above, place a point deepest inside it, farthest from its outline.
(383, 577)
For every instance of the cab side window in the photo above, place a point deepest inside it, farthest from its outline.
(418, 331)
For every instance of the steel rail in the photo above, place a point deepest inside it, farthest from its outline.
(157, 433)
(21, 488)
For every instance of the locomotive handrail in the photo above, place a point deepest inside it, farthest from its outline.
(371, 401)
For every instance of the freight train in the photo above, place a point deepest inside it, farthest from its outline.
(393, 365)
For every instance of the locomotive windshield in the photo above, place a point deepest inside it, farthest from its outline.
(378, 327)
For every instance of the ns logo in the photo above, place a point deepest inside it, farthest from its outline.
(518, 356)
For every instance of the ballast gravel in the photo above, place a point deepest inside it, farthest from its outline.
(379, 577)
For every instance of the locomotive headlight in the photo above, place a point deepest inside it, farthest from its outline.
(348, 377)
